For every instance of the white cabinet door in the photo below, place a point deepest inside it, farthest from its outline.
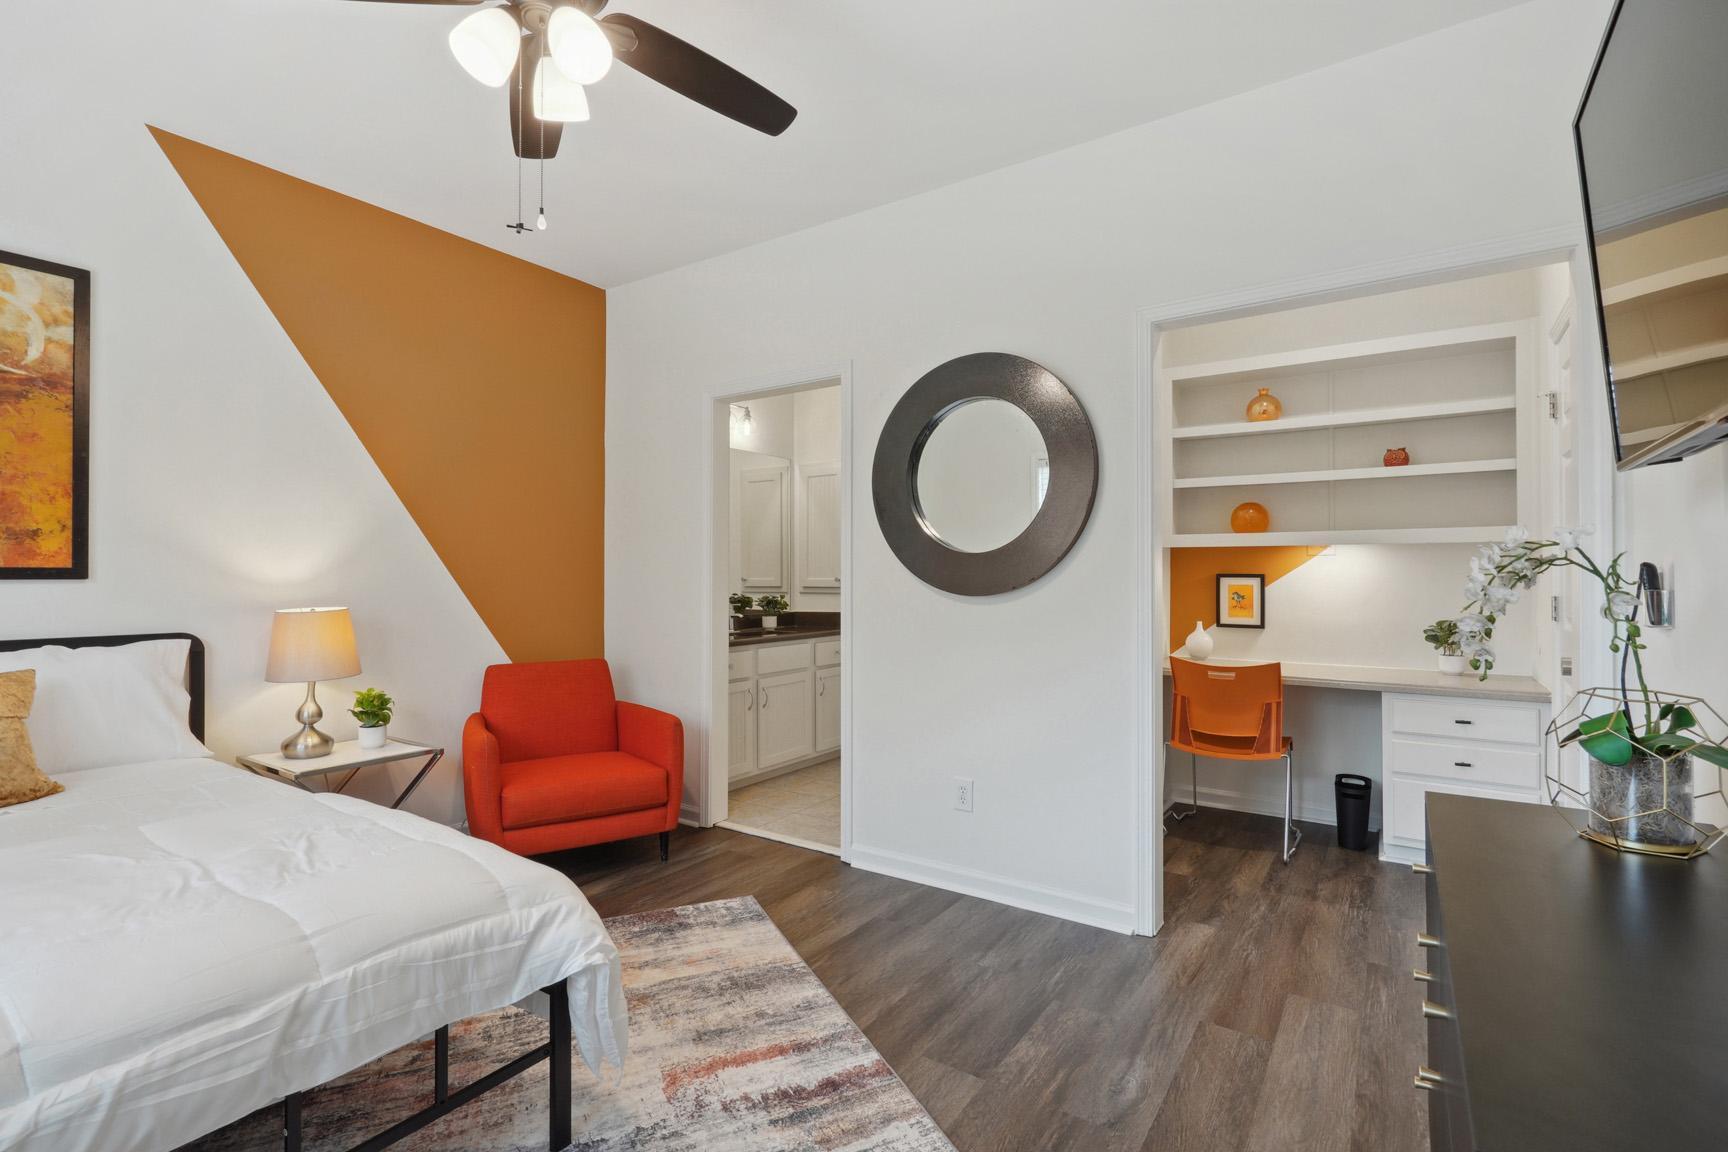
(764, 517)
(827, 709)
(785, 714)
(741, 728)
(819, 527)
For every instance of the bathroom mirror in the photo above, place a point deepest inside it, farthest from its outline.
(985, 474)
(982, 475)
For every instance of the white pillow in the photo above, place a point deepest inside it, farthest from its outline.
(97, 707)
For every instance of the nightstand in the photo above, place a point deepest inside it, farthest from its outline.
(349, 758)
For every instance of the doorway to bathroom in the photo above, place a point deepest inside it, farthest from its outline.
(777, 745)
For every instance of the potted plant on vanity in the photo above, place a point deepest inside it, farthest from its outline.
(772, 606)
(1449, 643)
(373, 709)
(1642, 745)
(741, 603)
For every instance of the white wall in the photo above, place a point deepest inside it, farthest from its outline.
(224, 482)
(1445, 148)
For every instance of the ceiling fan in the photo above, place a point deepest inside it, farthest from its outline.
(552, 49)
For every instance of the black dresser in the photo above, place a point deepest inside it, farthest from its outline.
(1578, 998)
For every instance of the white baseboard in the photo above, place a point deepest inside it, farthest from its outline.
(689, 815)
(1001, 890)
(1262, 804)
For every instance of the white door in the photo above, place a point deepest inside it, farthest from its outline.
(764, 515)
(827, 709)
(741, 728)
(785, 715)
(819, 528)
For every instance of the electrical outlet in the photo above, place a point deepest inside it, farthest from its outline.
(962, 794)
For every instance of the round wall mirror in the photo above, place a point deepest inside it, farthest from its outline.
(985, 474)
(981, 476)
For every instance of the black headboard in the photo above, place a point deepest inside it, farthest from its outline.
(194, 662)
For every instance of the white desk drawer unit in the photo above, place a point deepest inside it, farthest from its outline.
(1461, 746)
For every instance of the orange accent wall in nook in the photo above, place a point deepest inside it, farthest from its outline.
(1194, 579)
(477, 382)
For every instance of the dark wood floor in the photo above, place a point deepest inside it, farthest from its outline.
(1275, 1010)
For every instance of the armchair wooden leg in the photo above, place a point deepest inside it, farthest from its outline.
(665, 847)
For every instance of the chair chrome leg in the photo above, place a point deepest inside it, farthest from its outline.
(1289, 826)
(1175, 815)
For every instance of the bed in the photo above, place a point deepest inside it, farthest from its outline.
(185, 943)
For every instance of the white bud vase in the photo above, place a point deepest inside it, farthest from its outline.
(1199, 643)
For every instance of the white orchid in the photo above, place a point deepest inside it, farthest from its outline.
(1472, 624)
(1568, 539)
(1516, 536)
(1621, 605)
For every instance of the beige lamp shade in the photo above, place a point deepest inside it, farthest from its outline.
(309, 644)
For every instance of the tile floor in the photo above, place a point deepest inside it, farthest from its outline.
(804, 804)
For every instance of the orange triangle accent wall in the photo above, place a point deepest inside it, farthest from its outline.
(1194, 585)
(477, 382)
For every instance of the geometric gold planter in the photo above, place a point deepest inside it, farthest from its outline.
(1646, 805)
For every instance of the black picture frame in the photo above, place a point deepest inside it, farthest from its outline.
(79, 569)
(1259, 581)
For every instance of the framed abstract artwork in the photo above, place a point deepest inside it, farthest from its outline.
(44, 420)
(1241, 600)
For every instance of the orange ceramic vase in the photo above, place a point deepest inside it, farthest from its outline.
(1250, 517)
(1265, 406)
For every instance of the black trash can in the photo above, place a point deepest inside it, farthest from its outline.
(1353, 793)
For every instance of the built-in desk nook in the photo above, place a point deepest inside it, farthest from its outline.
(1438, 733)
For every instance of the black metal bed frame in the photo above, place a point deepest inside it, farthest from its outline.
(556, 1049)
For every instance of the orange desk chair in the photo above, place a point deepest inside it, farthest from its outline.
(1231, 713)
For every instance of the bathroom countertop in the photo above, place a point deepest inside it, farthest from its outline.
(750, 637)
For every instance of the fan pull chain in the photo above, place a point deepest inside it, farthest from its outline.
(540, 79)
(521, 93)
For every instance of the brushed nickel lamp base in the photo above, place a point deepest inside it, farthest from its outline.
(308, 743)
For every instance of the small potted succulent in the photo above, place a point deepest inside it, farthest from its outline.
(771, 607)
(373, 709)
(741, 603)
(1448, 641)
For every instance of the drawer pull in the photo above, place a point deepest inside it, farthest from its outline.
(1463, 721)
(1433, 1011)
(1422, 975)
(1462, 764)
(1425, 1085)
(1422, 869)
(1423, 940)
(1423, 1072)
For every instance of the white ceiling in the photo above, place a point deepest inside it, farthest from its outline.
(895, 97)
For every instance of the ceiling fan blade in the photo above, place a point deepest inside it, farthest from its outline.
(691, 72)
(534, 138)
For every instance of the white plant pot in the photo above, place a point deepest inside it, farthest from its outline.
(1454, 665)
(375, 737)
(770, 621)
(1199, 644)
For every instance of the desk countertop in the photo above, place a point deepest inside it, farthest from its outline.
(1420, 681)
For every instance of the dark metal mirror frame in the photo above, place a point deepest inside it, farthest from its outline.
(1068, 443)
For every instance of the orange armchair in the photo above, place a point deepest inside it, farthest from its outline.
(555, 760)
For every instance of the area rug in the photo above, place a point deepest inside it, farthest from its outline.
(735, 1046)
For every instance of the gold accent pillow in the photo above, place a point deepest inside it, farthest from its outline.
(20, 779)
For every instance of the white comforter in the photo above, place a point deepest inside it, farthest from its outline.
(182, 943)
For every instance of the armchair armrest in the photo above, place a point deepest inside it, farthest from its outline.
(482, 780)
(657, 737)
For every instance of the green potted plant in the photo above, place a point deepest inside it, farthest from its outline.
(772, 606)
(373, 709)
(1641, 744)
(1449, 643)
(741, 603)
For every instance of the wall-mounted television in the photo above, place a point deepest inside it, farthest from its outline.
(1652, 139)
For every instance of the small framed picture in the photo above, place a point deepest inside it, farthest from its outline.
(1241, 600)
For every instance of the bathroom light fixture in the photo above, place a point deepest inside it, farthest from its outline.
(579, 46)
(486, 44)
(742, 422)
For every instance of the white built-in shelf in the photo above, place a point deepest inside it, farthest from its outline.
(1323, 476)
(1323, 536)
(1669, 361)
(1460, 401)
(1396, 415)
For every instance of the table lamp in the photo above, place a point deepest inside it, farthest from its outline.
(308, 645)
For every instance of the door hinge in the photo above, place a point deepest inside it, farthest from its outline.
(1553, 399)
(1554, 609)
(1565, 665)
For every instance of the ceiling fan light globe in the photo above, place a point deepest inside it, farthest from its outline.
(556, 96)
(579, 45)
(486, 44)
